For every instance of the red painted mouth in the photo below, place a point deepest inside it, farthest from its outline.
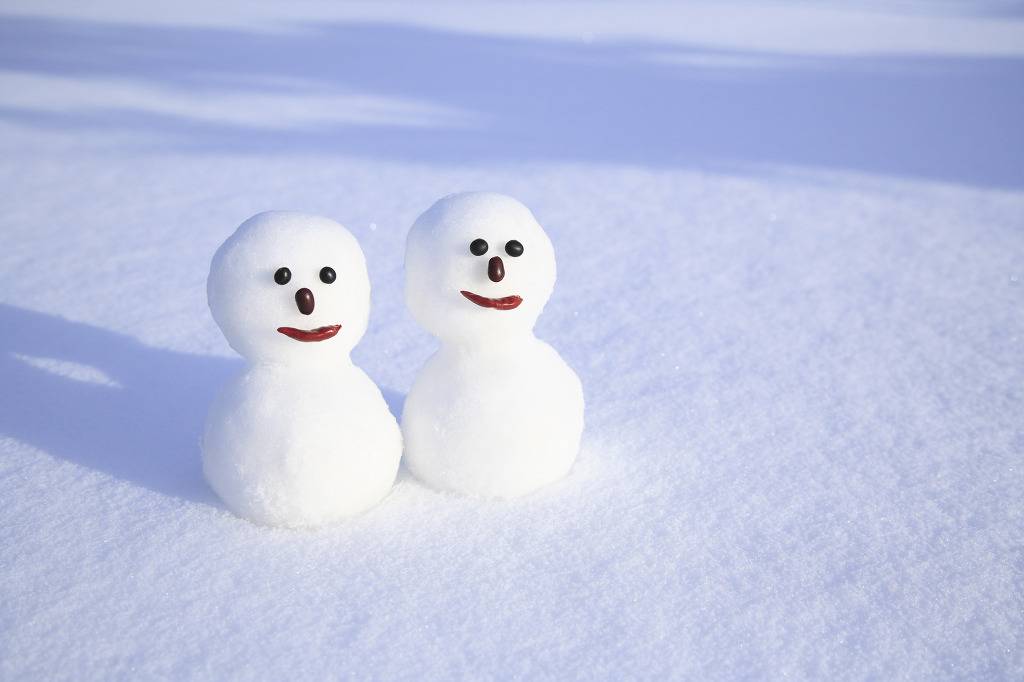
(310, 335)
(506, 303)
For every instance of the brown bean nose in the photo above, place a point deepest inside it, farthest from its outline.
(496, 269)
(304, 299)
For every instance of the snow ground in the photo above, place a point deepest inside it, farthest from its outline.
(791, 240)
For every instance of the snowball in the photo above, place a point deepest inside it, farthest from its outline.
(302, 436)
(495, 411)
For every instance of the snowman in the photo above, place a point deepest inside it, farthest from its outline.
(495, 411)
(301, 437)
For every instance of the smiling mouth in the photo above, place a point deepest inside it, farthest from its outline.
(310, 335)
(505, 303)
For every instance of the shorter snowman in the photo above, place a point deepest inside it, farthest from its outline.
(301, 437)
(495, 412)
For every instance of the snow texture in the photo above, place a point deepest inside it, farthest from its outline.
(302, 437)
(790, 241)
(496, 411)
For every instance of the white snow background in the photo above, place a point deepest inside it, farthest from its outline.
(791, 251)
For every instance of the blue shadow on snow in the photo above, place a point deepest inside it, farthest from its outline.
(661, 105)
(140, 423)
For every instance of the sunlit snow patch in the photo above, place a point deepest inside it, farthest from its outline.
(298, 105)
(75, 371)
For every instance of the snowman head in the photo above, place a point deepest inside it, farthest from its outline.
(478, 268)
(290, 288)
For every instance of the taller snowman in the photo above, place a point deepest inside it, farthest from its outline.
(302, 436)
(496, 411)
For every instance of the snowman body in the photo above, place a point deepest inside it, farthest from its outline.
(287, 446)
(496, 420)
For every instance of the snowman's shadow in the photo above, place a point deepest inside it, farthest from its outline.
(106, 401)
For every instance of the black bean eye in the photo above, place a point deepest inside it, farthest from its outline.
(514, 248)
(328, 275)
(283, 276)
(478, 247)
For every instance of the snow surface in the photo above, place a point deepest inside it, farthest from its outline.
(791, 249)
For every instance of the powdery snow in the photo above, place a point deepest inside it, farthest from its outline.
(789, 277)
